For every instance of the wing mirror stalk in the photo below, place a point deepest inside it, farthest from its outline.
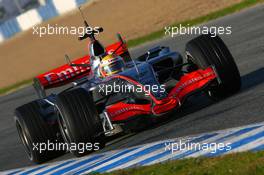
(68, 60)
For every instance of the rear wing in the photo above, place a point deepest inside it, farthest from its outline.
(66, 74)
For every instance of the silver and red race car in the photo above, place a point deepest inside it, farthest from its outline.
(111, 92)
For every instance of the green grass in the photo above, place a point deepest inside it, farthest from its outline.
(15, 86)
(247, 163)
(160, 33)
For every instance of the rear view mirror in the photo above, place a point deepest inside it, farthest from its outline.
(67, 59)
(119, 37)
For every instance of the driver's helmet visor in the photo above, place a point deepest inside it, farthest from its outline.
(114, 67)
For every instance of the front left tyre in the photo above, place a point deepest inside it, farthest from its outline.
(33, 131)
(79, 121)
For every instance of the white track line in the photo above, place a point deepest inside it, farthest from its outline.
(221, 133)
(248, 146)
(201, 151)
(230, 140)
(149, 155)
(123, 156)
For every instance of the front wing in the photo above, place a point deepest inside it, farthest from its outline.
(188, 84)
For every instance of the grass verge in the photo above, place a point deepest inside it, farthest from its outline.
(247, 163)
(15, 86)
(159, 34)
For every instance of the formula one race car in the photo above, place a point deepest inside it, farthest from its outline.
(111, 92)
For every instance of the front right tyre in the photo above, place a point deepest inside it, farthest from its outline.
(206, 50)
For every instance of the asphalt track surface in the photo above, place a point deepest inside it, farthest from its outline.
(199, 114)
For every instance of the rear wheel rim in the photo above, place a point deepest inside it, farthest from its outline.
(63, 128)
(25, 140)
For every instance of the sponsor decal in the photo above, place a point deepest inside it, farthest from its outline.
(193, 80)
(54, 77)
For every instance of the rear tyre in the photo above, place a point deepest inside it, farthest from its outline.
(79, 121)
(33, 131)
(205, 51)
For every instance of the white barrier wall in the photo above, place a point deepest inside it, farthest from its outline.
(33, 17)
(64, 6)
(29, 19)
(1, 37)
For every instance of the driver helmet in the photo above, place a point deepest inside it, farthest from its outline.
(111, 64)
